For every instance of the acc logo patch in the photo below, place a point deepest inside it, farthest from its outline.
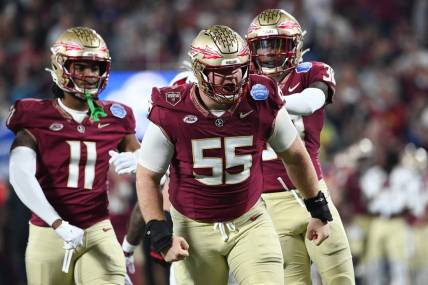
(259, 92)
(190, 119)
(303, 67)
(173, 97)
(118, 110)
(56, 127)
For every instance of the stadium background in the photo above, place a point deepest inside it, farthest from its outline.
(378, 50)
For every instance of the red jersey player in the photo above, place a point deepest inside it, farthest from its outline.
(59, 162)
(275, 40)
(212, 135)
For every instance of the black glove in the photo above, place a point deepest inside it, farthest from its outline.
(160, 234)
(318, 207)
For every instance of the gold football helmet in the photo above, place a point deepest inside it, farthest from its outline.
(79, 44)
(275, 39)
(217, 53)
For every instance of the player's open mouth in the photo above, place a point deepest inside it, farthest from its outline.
(229, 87)
(268, 63)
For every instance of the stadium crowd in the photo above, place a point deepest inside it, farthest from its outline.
(377, 125)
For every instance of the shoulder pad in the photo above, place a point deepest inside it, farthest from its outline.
(23, 113)
(303, 67)
(118, 110)
(264, 88)
(169, 96)
(122, 112)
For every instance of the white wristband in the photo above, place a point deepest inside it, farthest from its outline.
(127, 247)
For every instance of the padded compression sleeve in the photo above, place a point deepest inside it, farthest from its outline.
(284, 132)
(305, 102)
(156, 150)
(22, 176)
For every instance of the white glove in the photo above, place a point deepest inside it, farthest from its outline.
(130, 263)
(72, 235)
(128, 250)
(128, 280)
(73, 238)
(124, 162)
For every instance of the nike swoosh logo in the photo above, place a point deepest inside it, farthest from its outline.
(253, 218)
(100, 126)
(291, 89)
(106, 229)
(243, 115)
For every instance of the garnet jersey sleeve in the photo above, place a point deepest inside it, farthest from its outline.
(320, 72)
(168, 98)
(267, 97)
(20, 114)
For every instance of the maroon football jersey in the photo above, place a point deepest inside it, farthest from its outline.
(216, 168)
(309, 127)
(72, 158)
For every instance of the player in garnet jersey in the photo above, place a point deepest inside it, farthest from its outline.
(212, 135)
(59, 162)
(275, 40)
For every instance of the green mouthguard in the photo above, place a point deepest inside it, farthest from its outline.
(96, 111)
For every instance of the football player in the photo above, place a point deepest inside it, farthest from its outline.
(135, 233)
(392, 190)
(212, 135)
(59, 162)
(275, 39)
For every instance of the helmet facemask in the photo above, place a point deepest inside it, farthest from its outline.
(274, 55)
(79, 85)
(223, 84)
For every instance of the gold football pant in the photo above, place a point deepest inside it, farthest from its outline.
(247, 246)
(419, 260)
(332, 258)
(99, 261)
(387, 244)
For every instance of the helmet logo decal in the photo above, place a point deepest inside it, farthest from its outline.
(88, 38)
(270, 15)
(225, 39)
(253, 27)
(289, 25)
(173, 97)
(207, 52)
(68, 46)
(244, 51)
